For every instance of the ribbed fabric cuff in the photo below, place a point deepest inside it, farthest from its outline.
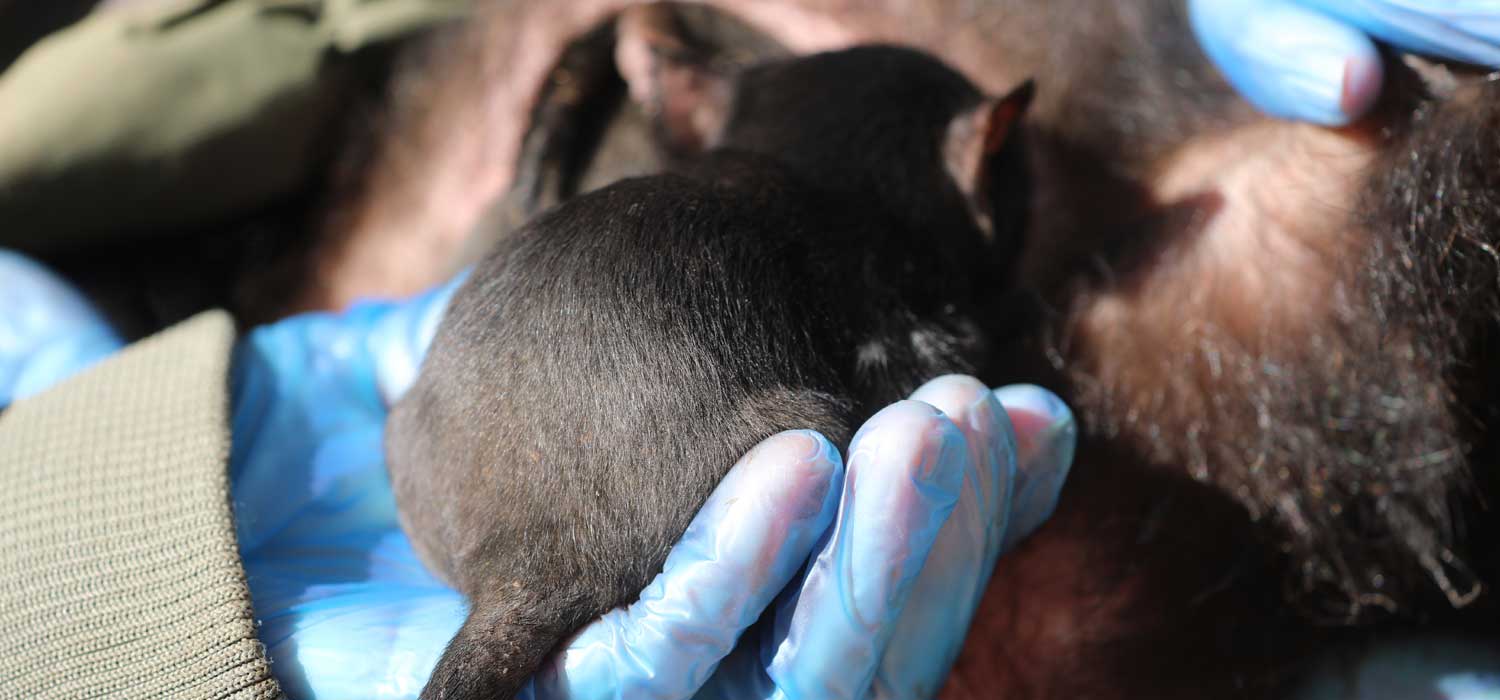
(119, 573)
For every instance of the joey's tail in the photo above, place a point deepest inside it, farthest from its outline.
(499, 648)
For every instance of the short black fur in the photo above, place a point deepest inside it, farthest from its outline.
(606, 364)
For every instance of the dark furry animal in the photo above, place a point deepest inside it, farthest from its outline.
(607, 363)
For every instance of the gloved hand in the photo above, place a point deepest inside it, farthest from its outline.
(946, 483)
(48, 331)
(897, 565)
(1314, 59)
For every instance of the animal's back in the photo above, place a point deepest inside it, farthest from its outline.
(608, 365)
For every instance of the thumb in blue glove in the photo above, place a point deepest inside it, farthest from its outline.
(1315, 60)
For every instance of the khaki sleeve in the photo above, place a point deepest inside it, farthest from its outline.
(119, 572)
(180, 112)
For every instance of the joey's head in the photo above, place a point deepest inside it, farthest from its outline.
(893, 126)
(895, 122)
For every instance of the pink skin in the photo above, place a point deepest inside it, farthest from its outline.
(1362, 79)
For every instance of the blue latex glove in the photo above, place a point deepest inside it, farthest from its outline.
(897, 565)
(882, 608)
(1314, 59)
(48, 332)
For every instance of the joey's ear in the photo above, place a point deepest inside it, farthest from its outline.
(975, 148)
(670, 78)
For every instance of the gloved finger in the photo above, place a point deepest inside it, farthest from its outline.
(747, 543)
(906, 469)
(931, 629)
(992, 468)
(1289, 60)
(48, 331)
(1046, 438)
(1462, 30)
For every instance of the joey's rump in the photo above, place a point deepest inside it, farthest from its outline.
(605, 364)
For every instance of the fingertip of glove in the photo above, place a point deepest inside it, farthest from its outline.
(1289, 60)
(1046, 432)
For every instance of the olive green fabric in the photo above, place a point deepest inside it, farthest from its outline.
(119, 573)
(177, 113)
